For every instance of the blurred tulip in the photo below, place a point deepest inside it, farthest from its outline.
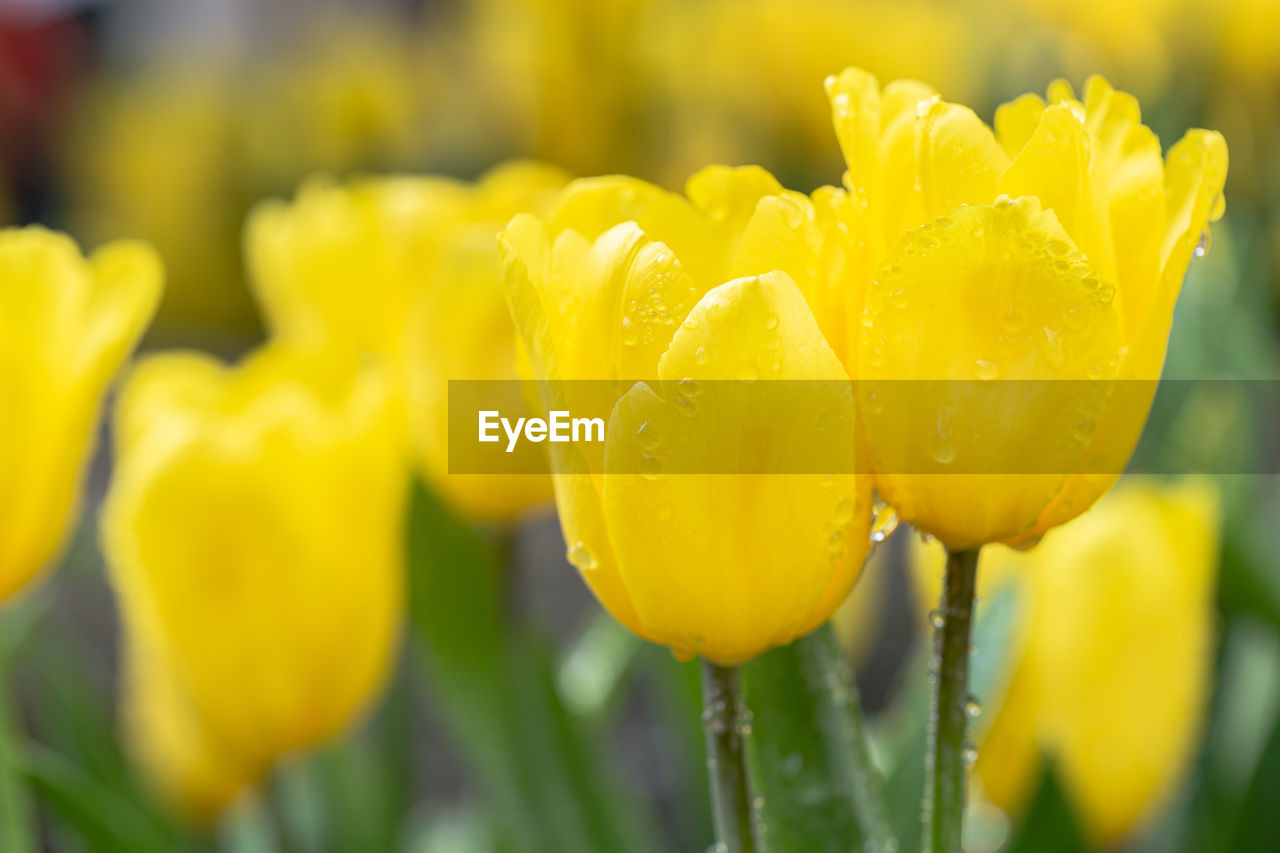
(1051, 249)
(1110, 667)
(624, 281)
(153, 157)
(758, 104)
(406, 270)
(67, 323)
(253, 530)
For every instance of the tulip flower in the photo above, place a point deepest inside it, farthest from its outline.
(1049, 252)
(663, 296)
(253, 532)
(1051, 249)
(629, 283)
(1109, 669)
(67, 322)
(406, 271)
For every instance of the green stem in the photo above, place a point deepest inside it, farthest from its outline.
(945, 759)
(825, 667)
(726, 719)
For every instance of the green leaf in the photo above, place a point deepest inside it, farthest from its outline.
(17, 815)
(817, 788)
(493, 683)
(1049, 824)
(104, 818)
(1256, 826)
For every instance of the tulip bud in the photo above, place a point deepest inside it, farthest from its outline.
(66, 324)
(253, 532)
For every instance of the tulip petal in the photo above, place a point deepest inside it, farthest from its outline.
(855, 111)
(730, 194)
(539, 276)
(592, 206)
(128, 279)
(986, 293)
(1129, 174)
(958, 158)
(1017, 120)
(698, 584)
(174, 751)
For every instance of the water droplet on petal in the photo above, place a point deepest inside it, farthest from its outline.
(650, 465)
(942, 446)
(884, 520)
(844, 512)
(771, 322)
(936, 619)
(580, 557)
(1011, 320)
(1202, 247)
(987, 369)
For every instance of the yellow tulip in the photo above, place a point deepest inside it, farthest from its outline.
(1109, 668)
(67, 323)
(406, 270)
(1051, 249)
(153, 157)
(624, 281)
(253, 532)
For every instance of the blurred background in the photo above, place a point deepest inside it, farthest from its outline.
(169, 119)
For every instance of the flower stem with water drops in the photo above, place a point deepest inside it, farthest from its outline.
(946, 758)
(726, 720)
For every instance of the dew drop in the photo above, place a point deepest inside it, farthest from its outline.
(970, 754)
(700, 355)
(650, 465)
(936, 619)
(844, 512)
(1011, 320)
(972, 708)
(1202, 247)
(884, 520)
(1074, 317)
(580, 557)
(771, 322)
(942, 446)
(629, 333)
(647, 436)
(987, 369)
